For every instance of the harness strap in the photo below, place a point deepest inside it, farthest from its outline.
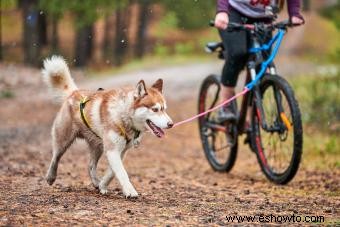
(81, 108)
(122, 130)
(82, 104)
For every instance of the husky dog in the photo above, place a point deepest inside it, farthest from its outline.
(109, 120)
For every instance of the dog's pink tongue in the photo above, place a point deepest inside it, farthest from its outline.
(156, 130)
(161, 132)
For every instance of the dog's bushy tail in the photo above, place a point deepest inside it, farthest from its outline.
(57, 76)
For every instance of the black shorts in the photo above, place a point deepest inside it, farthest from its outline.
(236, 44)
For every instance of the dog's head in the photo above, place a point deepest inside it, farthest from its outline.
(149, 108)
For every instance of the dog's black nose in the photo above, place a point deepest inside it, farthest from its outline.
(170, 124)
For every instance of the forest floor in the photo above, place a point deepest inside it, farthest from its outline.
(176, 184)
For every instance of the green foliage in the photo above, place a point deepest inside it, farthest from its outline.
(184, 48)
(319, 98)
(161, 50)
(336, 55)
(8, 4)
(86, 11)
(337, 164)
(191, 14)
(56, 8)
(212, 35)
(332, 145)
(169, 21)
(333, 13)
(326, 100)
(7, 94)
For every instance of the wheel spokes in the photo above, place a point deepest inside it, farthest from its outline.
(276, 138)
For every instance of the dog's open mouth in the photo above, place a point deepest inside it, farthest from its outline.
(157, 131)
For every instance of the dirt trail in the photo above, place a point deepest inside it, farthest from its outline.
(176, 184)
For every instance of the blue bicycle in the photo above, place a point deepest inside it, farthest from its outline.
(275, 132)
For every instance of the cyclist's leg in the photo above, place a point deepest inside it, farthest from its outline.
(235, 54)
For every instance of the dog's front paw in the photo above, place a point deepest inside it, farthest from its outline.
(103, 189)
(50, 179)
(137, 141)
(130, 192)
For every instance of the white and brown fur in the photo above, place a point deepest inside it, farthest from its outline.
(108, 112)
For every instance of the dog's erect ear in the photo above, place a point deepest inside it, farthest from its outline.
(140, 90)
(158, 85)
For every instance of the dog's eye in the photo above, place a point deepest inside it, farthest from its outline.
(155, 110)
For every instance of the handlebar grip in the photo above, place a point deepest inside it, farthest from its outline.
(231, 25)
(235, 27)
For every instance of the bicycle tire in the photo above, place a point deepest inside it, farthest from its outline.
(283, 87)
(209, 149)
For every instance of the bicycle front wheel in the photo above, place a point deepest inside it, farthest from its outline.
(278, 144)
(219, 140)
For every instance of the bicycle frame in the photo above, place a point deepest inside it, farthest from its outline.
(253, 78)
(264, 65)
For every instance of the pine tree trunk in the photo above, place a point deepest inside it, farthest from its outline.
(306, 5)
(141, 37)
(84, 45)
(121, 40)
(107, 47)
(31, 32)
(0, 31)
(42, 28)
(54, 38)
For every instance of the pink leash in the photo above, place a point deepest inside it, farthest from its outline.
(245, 90)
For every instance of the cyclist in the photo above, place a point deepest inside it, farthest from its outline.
(236, 43)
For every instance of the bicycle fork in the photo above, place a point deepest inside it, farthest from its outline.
(257, 97)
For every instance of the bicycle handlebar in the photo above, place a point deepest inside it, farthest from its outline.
(257, 26)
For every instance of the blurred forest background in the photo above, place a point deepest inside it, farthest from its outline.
(112, 32)
(108, 32)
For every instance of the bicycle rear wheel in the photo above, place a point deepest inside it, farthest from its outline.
(219, 140)
(279, 145)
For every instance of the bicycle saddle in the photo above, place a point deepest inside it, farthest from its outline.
(213, 46)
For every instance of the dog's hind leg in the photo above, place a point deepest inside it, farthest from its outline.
(96, 153)
(63, 136)
(107, 178)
